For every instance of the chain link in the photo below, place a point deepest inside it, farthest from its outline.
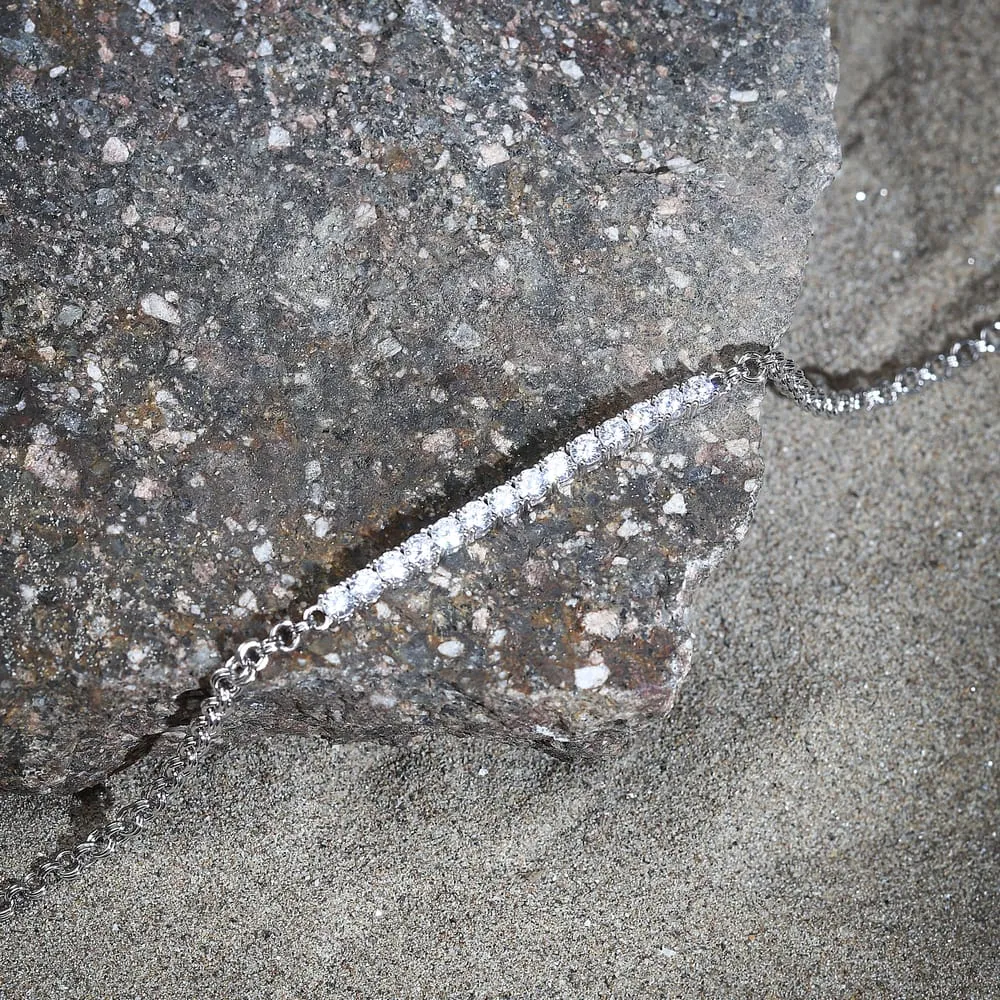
(126, 822)
(253, 656)
(788, 379)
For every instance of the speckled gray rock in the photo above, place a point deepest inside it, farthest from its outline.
(280, 285)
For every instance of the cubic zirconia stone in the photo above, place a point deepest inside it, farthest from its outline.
(530, 484)
(699, 389)
(419, 552)
(615, 435)
(504, 501)
(366, 585)
(642, 417)
(556, 469)
(585, 450)
(476, 518)
(337, 602)
(669, 403)
(446, 534)
(392, 568)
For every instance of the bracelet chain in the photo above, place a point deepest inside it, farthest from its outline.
(425, 549)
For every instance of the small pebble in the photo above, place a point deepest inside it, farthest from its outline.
(264, 551)
(159, 308)
(493, 153)
(675, 505)
(278, 138)
(115, 151)
(591, 676)
(571, 69)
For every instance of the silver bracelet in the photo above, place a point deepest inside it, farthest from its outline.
(422, 551)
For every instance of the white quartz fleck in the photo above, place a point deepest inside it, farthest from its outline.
(135, 656)
(604, 623)
(263, 552)
(389, 347)
(744, 96)
(114, 151)
(248, 600)
(629, 529)
(571, 69)
(593, 675)
(158, 307)
(493, 153)
(675, 505)
(681, 165)
(451, 648)
(464, 336)
(365, 216)
(278, 138)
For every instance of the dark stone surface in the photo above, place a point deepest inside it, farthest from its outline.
(282, 284)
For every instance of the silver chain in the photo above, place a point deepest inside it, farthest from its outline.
(422, 551)
(792, 382)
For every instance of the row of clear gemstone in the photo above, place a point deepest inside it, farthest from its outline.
(422, 552)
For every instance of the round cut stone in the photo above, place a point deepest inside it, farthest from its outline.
(530, 484)
(476, 518)
(337, 602)
(366, 585)
(556, 469)
(669, 403)
(699, 389)
(641, 417)
(585, 450)
(419, 552)
(391, 568)
(615, 435)
(446, 534)
(504, 501)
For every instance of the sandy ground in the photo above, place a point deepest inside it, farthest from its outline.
(819, 815)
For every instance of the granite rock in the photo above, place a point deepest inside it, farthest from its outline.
(283, 282)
